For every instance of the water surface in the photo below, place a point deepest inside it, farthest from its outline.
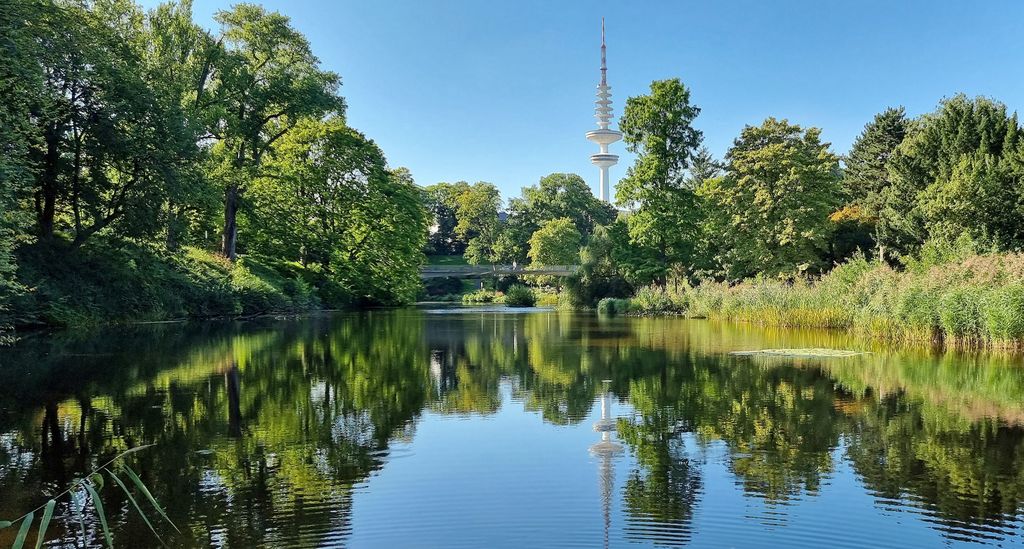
(473, 428)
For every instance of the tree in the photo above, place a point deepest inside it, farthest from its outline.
(269, 79)
(108, 139)
(866, 177)
(965, 147)
(556, 242)
(664, 217)
(478, 222)
(327, 197)
(703, 166)
(442, 202)
(771, 208)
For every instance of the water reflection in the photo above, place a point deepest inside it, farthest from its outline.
(269, 433)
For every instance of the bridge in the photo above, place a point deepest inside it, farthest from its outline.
(480, 271)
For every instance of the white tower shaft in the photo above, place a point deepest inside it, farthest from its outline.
(603, 135)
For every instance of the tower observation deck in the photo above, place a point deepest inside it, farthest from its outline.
(604, 135)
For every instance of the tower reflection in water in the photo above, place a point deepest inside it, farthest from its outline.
(606, 450)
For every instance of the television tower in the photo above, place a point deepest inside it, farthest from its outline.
(604, 136)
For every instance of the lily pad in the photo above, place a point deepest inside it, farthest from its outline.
(805, 353)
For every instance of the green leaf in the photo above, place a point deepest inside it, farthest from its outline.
(23, 531)
(47, 513)
(137, 508)
(99, 511)
(145, 491)
(5, 524)
(97, 480)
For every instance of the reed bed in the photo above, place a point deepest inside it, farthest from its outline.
(971, 302)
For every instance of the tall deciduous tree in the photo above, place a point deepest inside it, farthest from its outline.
(327, 197)
(108, 138)
(269, 80)
(659, 128)
(478, 222)
(772, 206)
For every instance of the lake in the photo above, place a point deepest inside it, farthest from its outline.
(455, 427)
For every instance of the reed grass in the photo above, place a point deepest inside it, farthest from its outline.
(966, 301)
(86, 490)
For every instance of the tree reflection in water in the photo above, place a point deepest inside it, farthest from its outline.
(264, 429)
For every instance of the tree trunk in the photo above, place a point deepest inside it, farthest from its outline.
(230, 236)
(48, 186)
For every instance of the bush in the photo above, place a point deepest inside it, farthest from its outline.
(520, 296)
(613, 306)
(480, 296)
(654, 300)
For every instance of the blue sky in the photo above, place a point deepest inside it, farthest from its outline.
(503, 91)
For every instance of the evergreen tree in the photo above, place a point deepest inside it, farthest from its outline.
(866, 177)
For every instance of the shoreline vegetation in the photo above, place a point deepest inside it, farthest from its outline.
(954, 299)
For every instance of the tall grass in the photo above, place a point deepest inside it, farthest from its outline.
(86, 490)
(967, 300)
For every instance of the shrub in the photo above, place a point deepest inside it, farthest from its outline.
(480, 296)
(613, 306)
(653, 300)
(520, 296)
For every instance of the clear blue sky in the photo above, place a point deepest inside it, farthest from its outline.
(503, 92)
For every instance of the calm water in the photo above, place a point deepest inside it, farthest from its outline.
(456, 428)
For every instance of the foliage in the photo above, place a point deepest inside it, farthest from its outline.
(556, 242)
(481, 296)
(520, 296)
(599, 275)
(122, 130)
(664, 212)
(770, 210)
(557, 196)
(327, 197)
(441, 200)
(967, 148)
(478, 224)
(613, 306)
(89, 286)
(866, 176)
(267, 82)
(949, 295)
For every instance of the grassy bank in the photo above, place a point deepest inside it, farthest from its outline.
(957, 301)
(125, 282)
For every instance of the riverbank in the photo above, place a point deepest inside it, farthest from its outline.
(971, 301)
(118, 282)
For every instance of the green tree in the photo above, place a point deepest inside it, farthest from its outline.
(771, 208)
(866, 177)
(109, 140)
(664, 213)
(268, 80)
(327, 197)
(556, 242)
(442, 203)
(478, 222)
(956, 172)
